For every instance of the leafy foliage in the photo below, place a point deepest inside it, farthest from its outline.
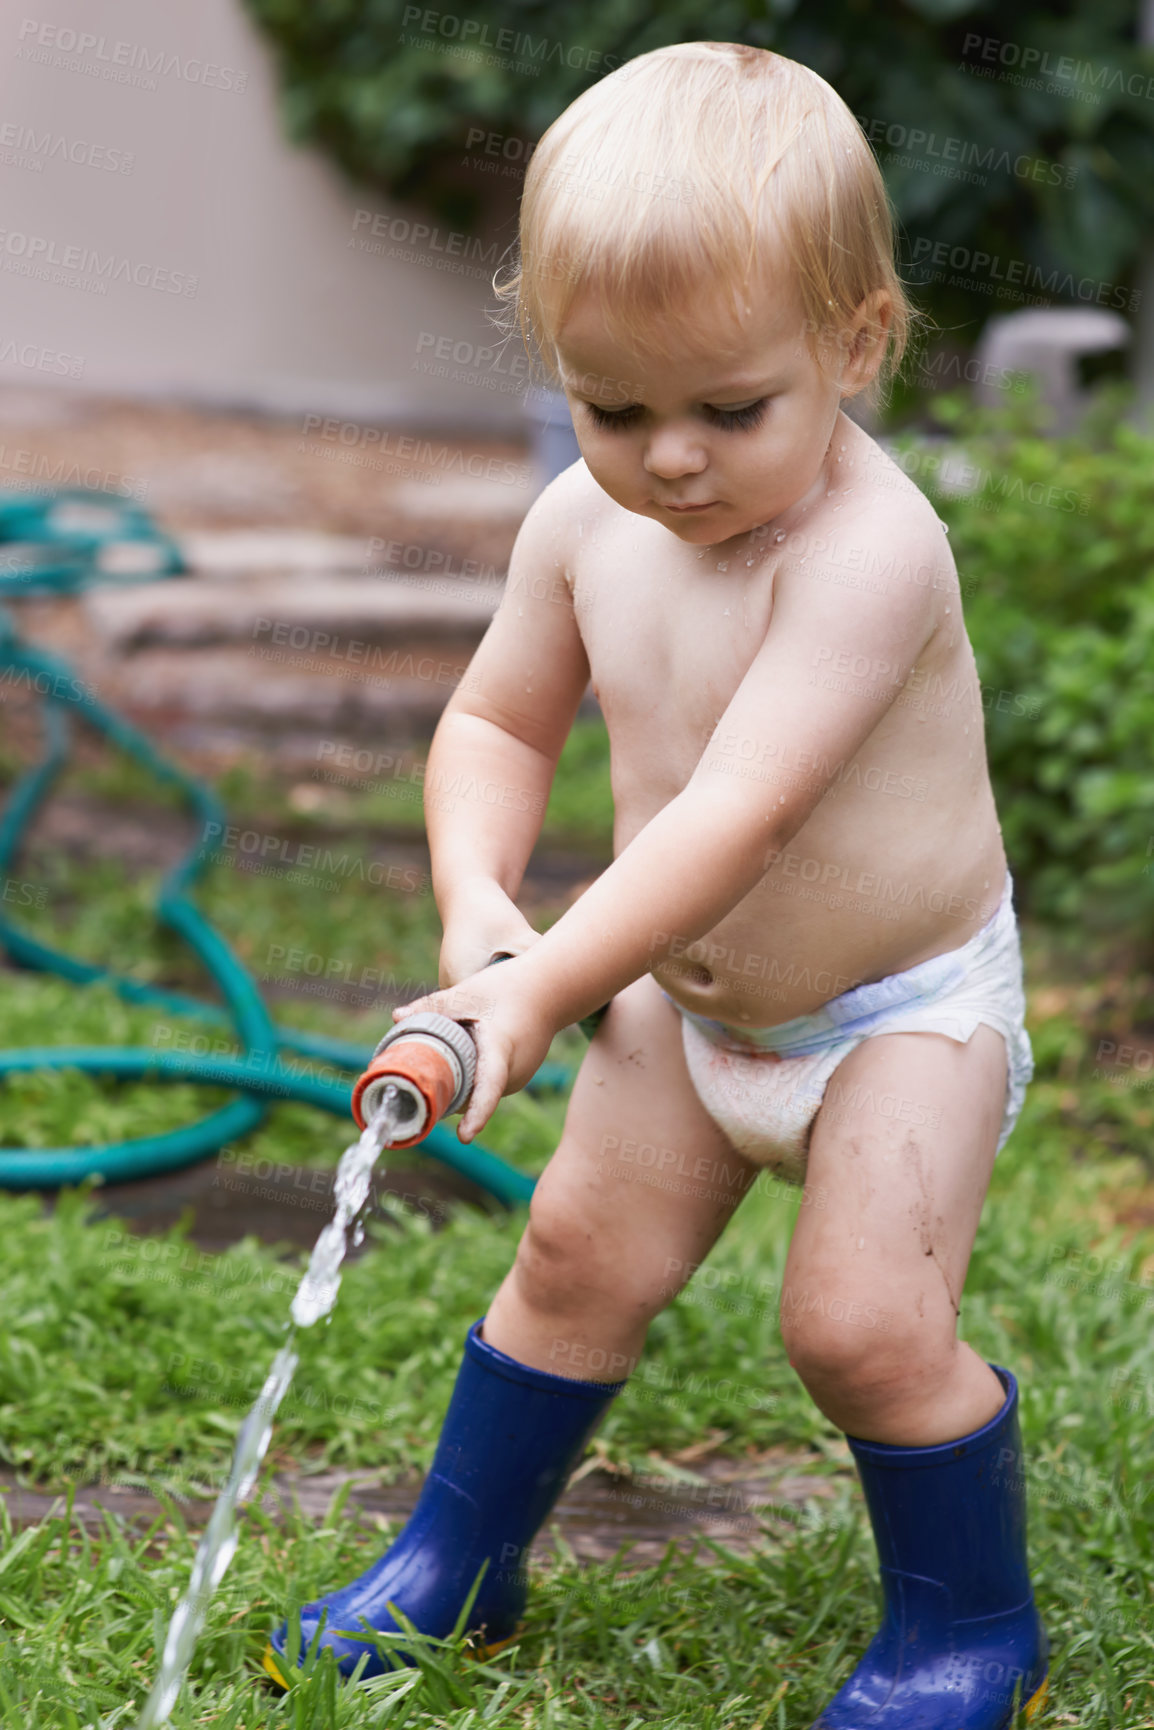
(1055, 548)
(1050, 108)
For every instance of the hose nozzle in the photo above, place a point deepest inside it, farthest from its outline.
(431, 1061)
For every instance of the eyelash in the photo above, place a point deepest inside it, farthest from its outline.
(729, 420)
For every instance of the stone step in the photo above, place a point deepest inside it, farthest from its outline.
(236, 552)
(464, 498)
(407, 686)
(325, 614)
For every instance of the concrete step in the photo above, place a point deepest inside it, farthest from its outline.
(326, 614)
(403, 687)
(238, 552)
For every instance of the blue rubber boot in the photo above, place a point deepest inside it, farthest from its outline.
(961, 1646)
(511, 1438)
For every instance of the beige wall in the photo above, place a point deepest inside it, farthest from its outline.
(286, 311)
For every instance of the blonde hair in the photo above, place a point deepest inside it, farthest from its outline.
(695, 164)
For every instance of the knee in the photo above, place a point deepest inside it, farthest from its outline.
(854, 1357)
(568, 1257)
(555, 1255)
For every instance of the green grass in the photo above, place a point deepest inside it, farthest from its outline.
(579, 811)
(669, 1645)
(133, 1360)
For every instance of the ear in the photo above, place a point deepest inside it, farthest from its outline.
(863, 342)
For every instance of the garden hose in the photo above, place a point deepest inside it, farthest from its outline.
(58, 543)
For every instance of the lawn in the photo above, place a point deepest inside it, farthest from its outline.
(133, 1360)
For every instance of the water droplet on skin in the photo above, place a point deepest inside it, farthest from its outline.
(724, 567)
(779, 537)
(947, 612)
(748, 563)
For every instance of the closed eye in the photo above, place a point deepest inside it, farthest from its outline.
(604, 417)
(741, 419)
(744, 418)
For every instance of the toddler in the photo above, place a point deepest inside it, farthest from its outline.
(806, 941)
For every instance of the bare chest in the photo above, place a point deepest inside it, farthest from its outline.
(669, 639)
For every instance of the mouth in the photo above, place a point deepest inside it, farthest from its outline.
(685, 509)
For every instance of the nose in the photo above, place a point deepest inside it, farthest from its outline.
(675, 450)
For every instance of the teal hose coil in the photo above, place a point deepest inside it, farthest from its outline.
(59, 543)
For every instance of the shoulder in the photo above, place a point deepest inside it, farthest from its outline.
(893, 513)
(873, 544)
(564, 511)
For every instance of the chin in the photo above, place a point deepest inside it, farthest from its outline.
(702, 534)
(695, 531)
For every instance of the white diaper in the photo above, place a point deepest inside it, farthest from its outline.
(763, 1086)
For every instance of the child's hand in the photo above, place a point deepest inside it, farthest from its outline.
(483, 923)
(511, 1029)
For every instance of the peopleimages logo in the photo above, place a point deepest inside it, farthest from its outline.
(21, 146)
(474, 35)
(31, 254)
(123, 62)
(948, 152)
(1034, 64)
(927, 253)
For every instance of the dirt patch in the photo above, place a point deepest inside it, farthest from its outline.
(736, 1502)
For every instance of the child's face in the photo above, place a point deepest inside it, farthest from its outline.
(733, 422)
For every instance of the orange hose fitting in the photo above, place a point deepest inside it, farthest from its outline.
(428, 1069)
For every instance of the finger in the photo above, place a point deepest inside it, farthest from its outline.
(482, 1105)
(488, 1091)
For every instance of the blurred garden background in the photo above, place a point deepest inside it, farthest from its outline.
(246, 290)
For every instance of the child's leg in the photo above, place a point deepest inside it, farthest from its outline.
(874, 1279)
(641, 1185)
(869, 1311)
(601, 1256)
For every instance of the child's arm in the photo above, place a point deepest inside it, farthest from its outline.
(709, 846)
(495, 749)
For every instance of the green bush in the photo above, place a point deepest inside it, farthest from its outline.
(1055, 550)
(390, 91)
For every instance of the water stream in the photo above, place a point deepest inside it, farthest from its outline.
(315, 1298)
